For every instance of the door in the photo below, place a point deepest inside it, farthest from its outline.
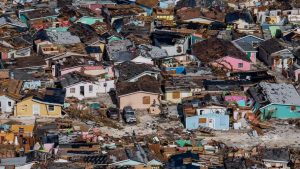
(36, 109)
(82, 90)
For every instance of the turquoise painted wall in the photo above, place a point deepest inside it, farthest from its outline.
(195, 39)
(90, 20)
(23, 18)
(279, 111)
(59, 29)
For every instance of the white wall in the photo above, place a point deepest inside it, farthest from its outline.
(110, 85)
(172, 50)
(23, 53)
(4, 104)
(211, 110)
(153, 74)
(98, 87)
(141, 59)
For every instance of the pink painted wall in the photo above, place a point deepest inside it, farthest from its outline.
(4, 56)
(232, 63)
(297, 72)
(135, 100)
(235, 98)
(93, 67)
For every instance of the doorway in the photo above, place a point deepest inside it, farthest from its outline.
(82, 90)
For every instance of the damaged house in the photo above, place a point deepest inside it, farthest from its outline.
(248, 45)
(19, 46)
(115, 14)
(206, 111)
(177, 88)
(82, 87)
(138, 29)
(275, 55)
(119, 51)
(174, 43)
(276, 158)
(48, 103)
(140, 94)
(240, 19)
(38, 18)
(131, 72)
(271, 100)
(200, 15)
(9, 94)
(11, 22)
(148, 54)
(221, 54)
(54, 37)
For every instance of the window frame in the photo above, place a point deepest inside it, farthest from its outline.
(146, 100)
(48, 108)
(240, 65)
(71, 90)
(91, 88)
(177, 94)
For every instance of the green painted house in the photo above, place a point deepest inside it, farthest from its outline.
(275, 100)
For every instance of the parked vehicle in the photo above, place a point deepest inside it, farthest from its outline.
(112, 113)
(129, 114)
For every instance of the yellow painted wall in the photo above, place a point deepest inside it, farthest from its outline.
(135, 100)
(165, 17)
(9, 137)
(27, 128)
(25, 108)
(102, 46)
(169, 96)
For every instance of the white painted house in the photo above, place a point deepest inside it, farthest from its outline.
(82, 88)
(6, 104)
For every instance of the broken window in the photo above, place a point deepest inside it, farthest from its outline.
(50, 107)
(9, 104)
(146, 100)
(72, 90)
(176, 94)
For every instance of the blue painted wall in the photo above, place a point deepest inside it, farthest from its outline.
(221, 122)
(179, 69)
(163, 5)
